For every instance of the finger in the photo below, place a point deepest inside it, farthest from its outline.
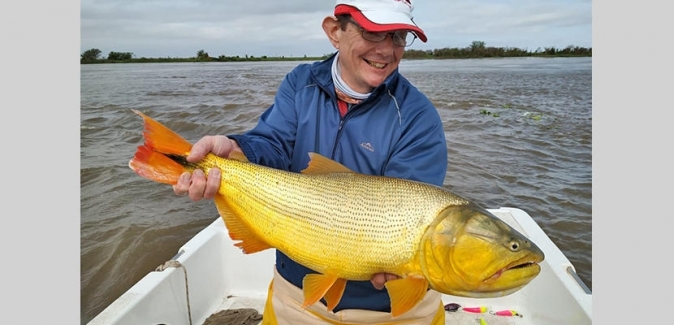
(198, 185)
(183, 184)
(222, 145)
(200, 149)
(212, 183)
(378, 281)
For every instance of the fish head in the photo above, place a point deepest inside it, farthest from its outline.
(469, 252)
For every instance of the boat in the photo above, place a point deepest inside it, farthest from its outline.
(209, 275)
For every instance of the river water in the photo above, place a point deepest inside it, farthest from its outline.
(519, 134)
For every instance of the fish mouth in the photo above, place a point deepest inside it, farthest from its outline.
(529, 264)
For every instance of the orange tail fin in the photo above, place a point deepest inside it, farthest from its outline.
(151, 160)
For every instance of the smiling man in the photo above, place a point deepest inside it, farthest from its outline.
(357, 109)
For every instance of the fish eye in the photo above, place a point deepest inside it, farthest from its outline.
(514, 245)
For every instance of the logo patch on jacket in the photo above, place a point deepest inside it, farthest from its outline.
(367, 146)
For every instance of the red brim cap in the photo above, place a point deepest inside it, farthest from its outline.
(380, 21)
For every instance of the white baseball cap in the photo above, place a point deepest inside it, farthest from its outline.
(381, 15)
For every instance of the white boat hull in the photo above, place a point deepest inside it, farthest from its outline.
(220, 276)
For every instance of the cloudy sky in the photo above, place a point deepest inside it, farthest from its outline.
(180, 28)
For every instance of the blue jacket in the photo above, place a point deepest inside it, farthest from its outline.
(395, 132)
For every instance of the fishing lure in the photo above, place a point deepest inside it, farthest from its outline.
(477, 310)
(506, 313)
(482, 321)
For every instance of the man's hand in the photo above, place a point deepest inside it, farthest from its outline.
(379, 279)
(195, 184)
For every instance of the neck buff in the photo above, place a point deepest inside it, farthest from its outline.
(344, 92)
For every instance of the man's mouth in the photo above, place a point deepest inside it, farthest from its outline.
(376, 64)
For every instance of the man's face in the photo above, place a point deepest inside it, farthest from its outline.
(364, 64)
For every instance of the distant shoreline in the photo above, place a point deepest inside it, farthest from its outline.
(476, 50)
(318, 58)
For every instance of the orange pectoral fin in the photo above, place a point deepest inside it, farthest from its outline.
(317, 285)
(405, 293)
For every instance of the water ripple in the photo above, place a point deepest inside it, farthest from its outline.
(519, 134)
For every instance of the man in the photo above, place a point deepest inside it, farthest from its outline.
(354, 108)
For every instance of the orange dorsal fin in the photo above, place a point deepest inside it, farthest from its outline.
(249, 241)
(315, 286)
(160, 138)
(405, 293)
(322, 165)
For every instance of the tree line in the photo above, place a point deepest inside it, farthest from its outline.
(477, 49)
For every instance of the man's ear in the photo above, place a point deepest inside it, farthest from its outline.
(332, 29)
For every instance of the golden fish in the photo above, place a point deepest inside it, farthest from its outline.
(349, 226)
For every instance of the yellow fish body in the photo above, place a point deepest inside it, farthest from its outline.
(349, 226)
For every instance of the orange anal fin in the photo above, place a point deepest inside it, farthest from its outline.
(405, 293)
(315, 286)
(249, 241)
(334, 294)
(160, 138)
(155, 166)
